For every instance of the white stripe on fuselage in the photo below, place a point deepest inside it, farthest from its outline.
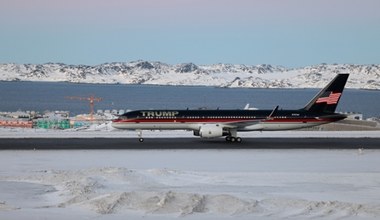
(269, 126)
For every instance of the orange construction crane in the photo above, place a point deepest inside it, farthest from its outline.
(91, 99)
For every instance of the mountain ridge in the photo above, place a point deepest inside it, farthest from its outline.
(218, 75)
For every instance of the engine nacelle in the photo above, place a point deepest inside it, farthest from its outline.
(210, 131)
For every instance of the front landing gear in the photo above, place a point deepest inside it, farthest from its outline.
(234, 139)
(139, 133)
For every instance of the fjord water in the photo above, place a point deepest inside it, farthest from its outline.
(42, 96)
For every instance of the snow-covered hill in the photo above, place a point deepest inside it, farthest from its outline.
(220, 75)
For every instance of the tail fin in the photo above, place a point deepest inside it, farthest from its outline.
(328, 98)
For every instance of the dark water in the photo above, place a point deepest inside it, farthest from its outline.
(41, 96)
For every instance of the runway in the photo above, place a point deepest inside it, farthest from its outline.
(186, 143)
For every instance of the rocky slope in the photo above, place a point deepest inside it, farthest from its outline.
(220, 75)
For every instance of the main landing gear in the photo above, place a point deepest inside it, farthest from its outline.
(234, 139)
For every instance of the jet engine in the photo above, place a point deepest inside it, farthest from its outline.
(210, 131)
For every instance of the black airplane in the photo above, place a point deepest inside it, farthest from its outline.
(218, 123)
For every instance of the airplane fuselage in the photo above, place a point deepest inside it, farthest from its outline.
(241, 120)
(218, 123)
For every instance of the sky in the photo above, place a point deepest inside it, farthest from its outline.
(291, 33)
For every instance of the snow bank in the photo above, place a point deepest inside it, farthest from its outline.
(113, 190)
(171, 202)
(197, 184)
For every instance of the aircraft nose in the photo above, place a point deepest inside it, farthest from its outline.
(116, 120)
(115, 123)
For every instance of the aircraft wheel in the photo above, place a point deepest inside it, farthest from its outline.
(141, 139)
(234, 139)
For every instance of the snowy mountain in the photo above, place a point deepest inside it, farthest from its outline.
(219, 75)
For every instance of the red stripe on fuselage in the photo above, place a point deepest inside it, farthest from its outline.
(195, 120)
(224, 120)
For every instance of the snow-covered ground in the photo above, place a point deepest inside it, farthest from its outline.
(190, 184)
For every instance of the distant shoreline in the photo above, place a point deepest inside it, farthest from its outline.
(161, 85)
(190, 74)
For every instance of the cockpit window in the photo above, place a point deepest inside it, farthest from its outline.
(123, 117)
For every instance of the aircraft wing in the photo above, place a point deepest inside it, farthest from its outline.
(245, 123)
(241, 124)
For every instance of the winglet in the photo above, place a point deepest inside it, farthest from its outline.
(273, 112)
